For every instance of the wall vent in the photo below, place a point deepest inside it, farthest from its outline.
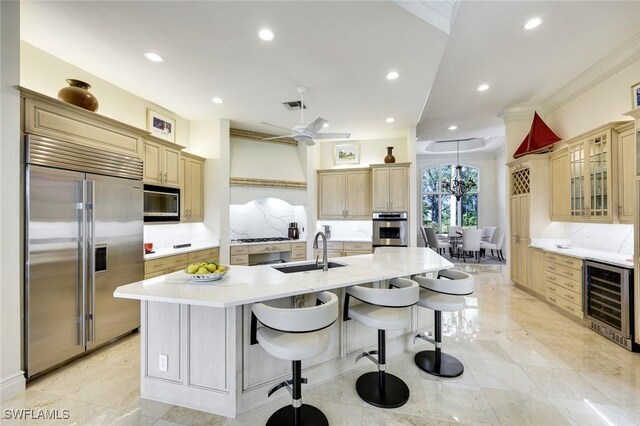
(293, 105)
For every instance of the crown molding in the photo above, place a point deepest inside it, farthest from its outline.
(517, 113)
(266, 183)
(625, 54)
(260, 137)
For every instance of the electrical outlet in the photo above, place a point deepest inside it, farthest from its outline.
(163, 363)
(587, 234)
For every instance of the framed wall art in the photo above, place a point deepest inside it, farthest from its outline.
(346, 154)
(161, 126)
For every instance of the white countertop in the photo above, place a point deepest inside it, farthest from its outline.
(248, 284)
(617, 259)
(173, 252)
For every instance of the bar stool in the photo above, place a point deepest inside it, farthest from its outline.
(294, 335)
(441, 295)
(384, 309)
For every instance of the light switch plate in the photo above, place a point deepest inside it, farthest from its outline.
(163, 363)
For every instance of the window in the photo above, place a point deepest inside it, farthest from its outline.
(439, 207)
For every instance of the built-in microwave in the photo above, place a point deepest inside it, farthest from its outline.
(161, 204)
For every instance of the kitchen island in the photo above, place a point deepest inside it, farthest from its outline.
(195, 349)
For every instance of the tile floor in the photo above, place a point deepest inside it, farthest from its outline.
(524, 364)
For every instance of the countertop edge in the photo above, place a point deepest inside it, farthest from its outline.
(179, 251)
(603, 257)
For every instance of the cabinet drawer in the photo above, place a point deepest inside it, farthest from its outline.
(563, 271)
(555, 290)
(331, 245)
(269, 248)
(365, 247)
(298, 255)
(208, 255)
(330, 253)
(558, 280)
(565, 305)
(570, 262)
(235, 250)
(169, 263)
(239, 259)
(299, 246)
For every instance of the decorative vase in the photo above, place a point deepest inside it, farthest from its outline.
(77, 93)
(389, 158)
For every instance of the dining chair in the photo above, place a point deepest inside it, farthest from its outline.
(471, 239)
(496, 244)
(454, 230)
(487, 233)
(423, 232)
(438, 246)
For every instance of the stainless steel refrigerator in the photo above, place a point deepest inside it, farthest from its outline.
(83, 238)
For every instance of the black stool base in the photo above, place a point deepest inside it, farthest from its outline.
(449, 366)
(309, 415)
(395, 393)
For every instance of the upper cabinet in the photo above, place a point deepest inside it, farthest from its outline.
(561, 186)
(161, 163)
(344, 194)
(626, 173)
(592, 178)
(390, 187)
(191, 188)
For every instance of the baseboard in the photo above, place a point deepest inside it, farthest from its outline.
(12, 386)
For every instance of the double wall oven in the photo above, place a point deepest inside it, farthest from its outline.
(389, 229)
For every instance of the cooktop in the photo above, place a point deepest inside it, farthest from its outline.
(261, 240)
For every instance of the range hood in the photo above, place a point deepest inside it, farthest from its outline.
(539, 139)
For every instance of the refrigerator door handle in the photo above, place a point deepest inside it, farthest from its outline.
(83, 269)
(91, 271)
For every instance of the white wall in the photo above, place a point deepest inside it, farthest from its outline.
(501, 188)
(489, 202)
(46, 74)
(602, 103)
(11, 375)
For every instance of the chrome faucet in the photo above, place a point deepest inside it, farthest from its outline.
(324, 264)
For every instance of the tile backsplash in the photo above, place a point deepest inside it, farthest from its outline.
(266, 217)
(166, 235)
(348, 229)
(604, 237)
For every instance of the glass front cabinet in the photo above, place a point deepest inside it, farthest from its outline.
(590, 161)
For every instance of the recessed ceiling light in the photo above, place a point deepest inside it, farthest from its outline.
(453, 127)
(216, 100)
(154, 57)
(266, 34)
(390, 120)
(532, 23)
(325, 125)
(483, 87)
(392, 75)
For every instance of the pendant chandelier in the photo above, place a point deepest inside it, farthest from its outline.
(459, 185)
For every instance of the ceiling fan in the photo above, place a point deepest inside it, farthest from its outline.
(306, 132)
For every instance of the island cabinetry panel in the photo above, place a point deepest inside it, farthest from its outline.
(564, 283)
(162, 339)
(49, 117)
(207, 347)
(191, 188)
(390, 183)
(161, 163)
(344, 194)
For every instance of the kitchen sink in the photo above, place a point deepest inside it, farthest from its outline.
(305, 267)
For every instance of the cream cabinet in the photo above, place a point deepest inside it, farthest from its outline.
(560, 185)
(519, 206)
(537, 277)
(288, 252)
(161, 163)
(563, 286)
(345, 248)
(168, 264)
(626, 173)
(191, 188)
(390, 183)
(344, 194)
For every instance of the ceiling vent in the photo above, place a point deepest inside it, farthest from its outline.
(293, 105)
